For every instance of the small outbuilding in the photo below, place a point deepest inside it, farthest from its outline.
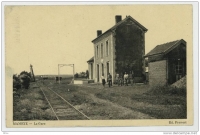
(167, 63)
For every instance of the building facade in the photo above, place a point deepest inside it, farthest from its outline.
(120, 49)
(167, 63)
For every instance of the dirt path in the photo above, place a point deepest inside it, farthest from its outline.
(123, 111)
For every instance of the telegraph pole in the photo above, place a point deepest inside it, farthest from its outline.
(32, 74)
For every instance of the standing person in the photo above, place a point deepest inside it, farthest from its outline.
(56, 79)
(109, 79)
(144, 78)
(103, 80)
(120, 82)
(130, 78)
(117, 79)
(126, 78)
(123, 79)
(133, 79)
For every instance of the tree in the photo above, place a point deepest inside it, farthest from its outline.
(26, 73)
(76, 75)
(82, 74)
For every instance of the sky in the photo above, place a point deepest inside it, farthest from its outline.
(46, 36)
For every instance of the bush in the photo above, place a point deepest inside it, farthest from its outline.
(16, 82)
(25, 79)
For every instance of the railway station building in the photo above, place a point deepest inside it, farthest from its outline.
(118, 50)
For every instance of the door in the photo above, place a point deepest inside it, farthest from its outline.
(102, 69)
(97, 73)
(107, 68)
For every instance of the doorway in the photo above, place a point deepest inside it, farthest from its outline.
(107, 68)
(97, 73)
(102, 69)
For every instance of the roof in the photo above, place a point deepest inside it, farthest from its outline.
(119, 23)
(91, 59)
(164, 48)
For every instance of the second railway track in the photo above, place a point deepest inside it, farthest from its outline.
(61, 108)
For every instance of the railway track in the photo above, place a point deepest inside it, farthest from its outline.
(62, 109)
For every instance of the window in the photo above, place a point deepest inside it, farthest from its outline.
(178, 67)
(101, 50)
(106, 48)
(97, 52)
(178, 70)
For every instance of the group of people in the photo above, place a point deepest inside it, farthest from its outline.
(109, 80)
(125, 79)
(122, 79)
(58, 79)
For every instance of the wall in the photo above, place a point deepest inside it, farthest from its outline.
(106, 58)
(130, 48)
(158, 73)
(177, 54)
(157, 57)
(91, 75)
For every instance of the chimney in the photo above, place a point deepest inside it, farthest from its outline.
(99, 32)
(118, 18)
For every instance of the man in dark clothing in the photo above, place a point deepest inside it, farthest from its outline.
(130, 78)
(121, 79)
(133, 79)
(109, 79)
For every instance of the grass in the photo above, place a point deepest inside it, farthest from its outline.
(162, 107)
(96, 108)
(161, 103)
(31, 105)
(118, 102)
(157, 102)
(167, 90)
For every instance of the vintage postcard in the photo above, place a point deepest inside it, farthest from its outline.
(99, 65)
